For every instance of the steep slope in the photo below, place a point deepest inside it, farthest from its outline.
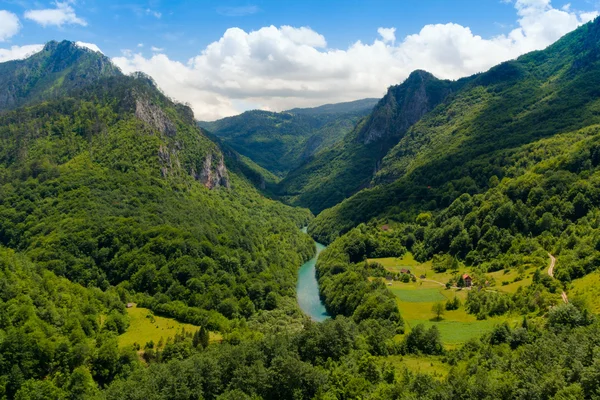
(279, 142)
(114, 184)
(338, 172)
(51, 73)
(458, 147)
(259, 177)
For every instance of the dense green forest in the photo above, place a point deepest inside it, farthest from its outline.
(111, 194)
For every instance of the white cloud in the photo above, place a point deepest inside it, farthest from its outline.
(9, 25)
(89, 46)
(155, 14)
(19, 52)
(387, 34)
(279, 68)
(157, 49)
(140, 45)
(59, 16)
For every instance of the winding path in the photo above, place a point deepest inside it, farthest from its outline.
(551, 273)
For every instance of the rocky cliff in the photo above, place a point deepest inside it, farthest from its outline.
(403, 106)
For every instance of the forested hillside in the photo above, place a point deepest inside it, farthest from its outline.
(472, 139)
(280, 142)
(461, 216)
(51, 73)
(113, 185)
(340, 171)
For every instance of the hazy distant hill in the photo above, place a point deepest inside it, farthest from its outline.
(280, 142)
(341, 170)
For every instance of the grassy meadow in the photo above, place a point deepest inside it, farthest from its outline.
(419, 364)
(588, 289)
(416, 299)
(145, 327)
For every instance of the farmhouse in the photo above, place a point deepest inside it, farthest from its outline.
(405, 271)
(468, 280)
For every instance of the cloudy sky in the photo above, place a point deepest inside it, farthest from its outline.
(225, 57)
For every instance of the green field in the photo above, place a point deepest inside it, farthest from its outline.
(419, 295)
(588, 289)
(415, 299)
(145, 327)
(421, 364)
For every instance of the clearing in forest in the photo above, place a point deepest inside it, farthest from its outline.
(416, 299)
(144, 327)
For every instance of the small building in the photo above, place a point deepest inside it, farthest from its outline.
(405, 271)
(129, 305)
(385, 228)
(468, 280)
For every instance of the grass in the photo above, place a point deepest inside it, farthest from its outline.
(396, 264)
(143, 329)
(510, 276)
(421, 364)
(416, 299)
(419, 295)
(588, 289)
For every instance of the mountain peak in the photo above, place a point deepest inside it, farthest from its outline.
(403, 105)
(53, 72)
(420, 74)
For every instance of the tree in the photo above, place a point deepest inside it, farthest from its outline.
(438, 309)
(201, 337)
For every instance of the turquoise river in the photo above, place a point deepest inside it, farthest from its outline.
(307, 289)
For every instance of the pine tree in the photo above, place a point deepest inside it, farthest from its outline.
(201, 337)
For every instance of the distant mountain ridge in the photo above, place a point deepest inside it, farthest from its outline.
(340, 171)
(280, 142)
(337, 108)
(51, 73)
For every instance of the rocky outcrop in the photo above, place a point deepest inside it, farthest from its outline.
(213, 174)
(169, 159)
(403, 106)
(154, 116)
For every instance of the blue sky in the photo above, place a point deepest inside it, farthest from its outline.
(183, 28)
(228, 56)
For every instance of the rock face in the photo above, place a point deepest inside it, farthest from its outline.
(403, 106)
(213, 175)
(154, 116)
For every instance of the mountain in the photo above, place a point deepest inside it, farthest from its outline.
(349, 107)
(279, 142)
(481, 225)
(336, 173)
(471, 139)
(114, 184)
(51, 73)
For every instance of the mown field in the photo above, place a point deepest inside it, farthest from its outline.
(145, 327)
(416, 299)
